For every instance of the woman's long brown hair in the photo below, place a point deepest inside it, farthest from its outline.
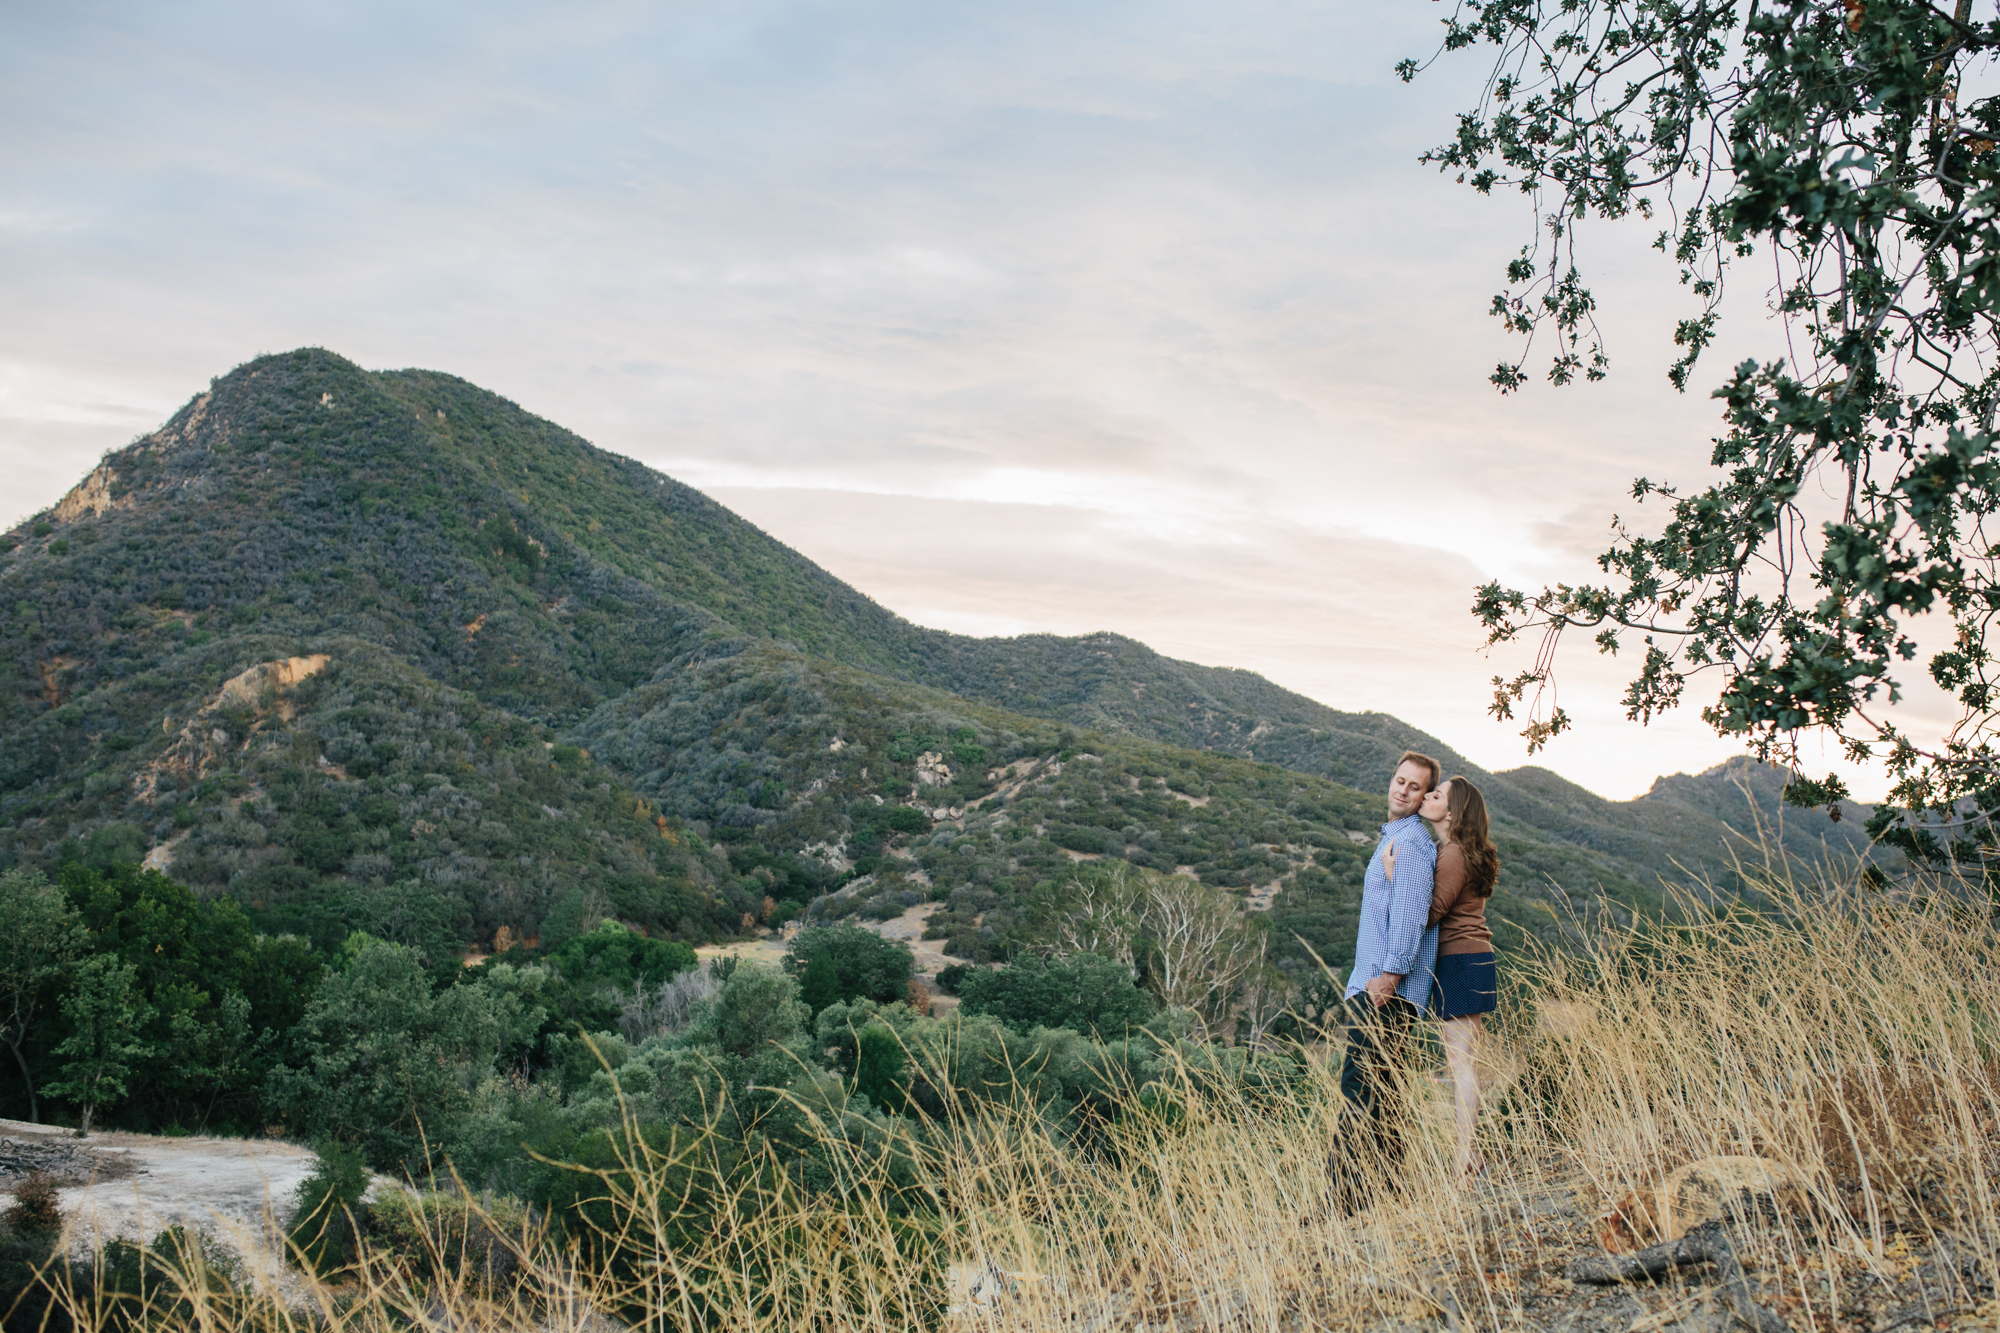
(1471, 830)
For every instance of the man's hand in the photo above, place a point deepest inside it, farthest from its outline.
(1389, 863)
(1382, 988)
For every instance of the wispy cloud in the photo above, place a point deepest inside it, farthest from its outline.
(1037, 316)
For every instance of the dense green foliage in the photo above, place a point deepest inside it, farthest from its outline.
(844, 962)
(324, 1226)
(1081, 992)
(383, 1059)
(191, 997)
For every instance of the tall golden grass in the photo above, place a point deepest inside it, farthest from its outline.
(1847, 1033)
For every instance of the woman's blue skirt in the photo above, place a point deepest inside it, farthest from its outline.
(1466, 984)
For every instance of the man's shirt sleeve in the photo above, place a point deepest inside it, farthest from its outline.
(1409, 905)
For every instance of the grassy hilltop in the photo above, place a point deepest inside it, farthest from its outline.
(1842, 1048)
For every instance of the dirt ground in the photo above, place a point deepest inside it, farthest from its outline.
(1917, 1279)
(239, 1192)
(769, 952)
(908, 928)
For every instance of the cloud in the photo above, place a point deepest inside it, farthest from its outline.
(1037, 316)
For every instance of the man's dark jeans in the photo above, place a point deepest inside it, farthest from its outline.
(1371, 1079)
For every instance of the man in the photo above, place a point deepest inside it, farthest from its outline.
(1391, 981)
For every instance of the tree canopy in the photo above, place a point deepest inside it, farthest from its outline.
(1857, 470)
(38, 933)
(1082, 992)
(865, 966)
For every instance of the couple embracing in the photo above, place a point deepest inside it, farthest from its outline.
(1424, 948)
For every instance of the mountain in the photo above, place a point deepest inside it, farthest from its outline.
(381, 650)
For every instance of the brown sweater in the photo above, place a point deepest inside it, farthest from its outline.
(1457, 912)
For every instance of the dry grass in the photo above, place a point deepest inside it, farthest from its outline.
(1846, 1035)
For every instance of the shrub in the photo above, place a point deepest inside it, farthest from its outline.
(505, 541)
(37, 1207)
(322, 1233)
(903, 819)
(445, 1235)
(1082, 839)
(155, 1285)
(29, 1234)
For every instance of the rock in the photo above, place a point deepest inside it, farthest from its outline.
(90, 496)
(63, 1163)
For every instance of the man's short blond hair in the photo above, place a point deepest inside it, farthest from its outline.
(1412, 757)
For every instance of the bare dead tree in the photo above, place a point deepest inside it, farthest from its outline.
(1104, 917)
(668, 1007)
(1267, 994)
(1198, 951)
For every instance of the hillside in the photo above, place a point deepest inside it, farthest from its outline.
(383, 651)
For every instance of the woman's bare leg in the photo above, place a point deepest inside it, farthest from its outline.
(1460, 1036)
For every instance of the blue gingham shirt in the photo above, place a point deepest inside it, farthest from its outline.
(1393, 938)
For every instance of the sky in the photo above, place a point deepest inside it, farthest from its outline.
(1027, 318)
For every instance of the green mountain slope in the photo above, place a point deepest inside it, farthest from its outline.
(383, 650)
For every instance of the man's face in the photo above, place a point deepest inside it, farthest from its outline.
(1406, 789)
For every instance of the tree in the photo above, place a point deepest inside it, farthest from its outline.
(1858, 468)
(385, 1062)
(878, 1067)
(756, 1007)
(410, 913)
(1197, 950)
(1268, 999)
(865, 965)
(1081, 992)
(1187, 940)
(1100, 915)
(819, 984)
(613, 956)
(577, 912)
(38, 933)
(219, 1053)
(105, 1015)
(218, 991)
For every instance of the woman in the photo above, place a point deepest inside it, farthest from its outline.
(1467, 867)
